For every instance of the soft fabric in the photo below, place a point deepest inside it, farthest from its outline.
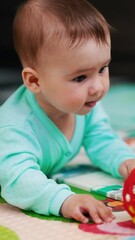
(32, 148)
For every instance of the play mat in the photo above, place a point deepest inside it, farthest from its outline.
(16, 224)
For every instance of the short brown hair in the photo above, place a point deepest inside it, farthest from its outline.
(38, 21)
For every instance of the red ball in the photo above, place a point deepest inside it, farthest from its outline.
(129, 194)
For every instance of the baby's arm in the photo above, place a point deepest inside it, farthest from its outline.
(23, 184)
(104, 147)
(82, 207)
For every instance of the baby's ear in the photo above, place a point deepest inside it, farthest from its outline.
(31, 79)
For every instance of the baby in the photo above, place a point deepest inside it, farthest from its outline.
(64, 48)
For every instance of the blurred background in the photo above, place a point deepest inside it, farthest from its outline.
(119, 14)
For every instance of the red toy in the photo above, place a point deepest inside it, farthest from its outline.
(129, 195)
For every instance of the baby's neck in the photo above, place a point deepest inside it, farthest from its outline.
(66, 124)
(64, 121)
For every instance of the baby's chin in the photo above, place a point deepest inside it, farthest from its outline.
(86, 109)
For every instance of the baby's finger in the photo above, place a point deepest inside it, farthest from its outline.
(105, 213)
(112, 215)
(95, 216)
(79, 216)
(100, 213)
(93, 213)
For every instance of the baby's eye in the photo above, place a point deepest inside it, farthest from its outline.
(102, 69)
(79, 78)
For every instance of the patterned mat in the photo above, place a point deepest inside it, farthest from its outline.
(17, 224)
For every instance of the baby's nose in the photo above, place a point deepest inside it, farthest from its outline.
(96, 87)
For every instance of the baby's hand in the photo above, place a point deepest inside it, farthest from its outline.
(126, 167)
(82, 207)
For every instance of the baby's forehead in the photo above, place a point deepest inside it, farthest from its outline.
(85, 49)
(66, 42)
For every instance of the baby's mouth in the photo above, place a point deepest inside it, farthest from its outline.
(90, 104)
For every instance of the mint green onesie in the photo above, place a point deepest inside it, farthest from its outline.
(32, 148)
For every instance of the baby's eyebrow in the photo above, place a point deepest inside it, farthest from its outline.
(85, 69)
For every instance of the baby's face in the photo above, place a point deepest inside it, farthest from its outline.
(73, 80)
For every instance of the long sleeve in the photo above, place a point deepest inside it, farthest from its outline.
(104, 147)
(23, 183)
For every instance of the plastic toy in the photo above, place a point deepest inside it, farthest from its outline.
(129, 195)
